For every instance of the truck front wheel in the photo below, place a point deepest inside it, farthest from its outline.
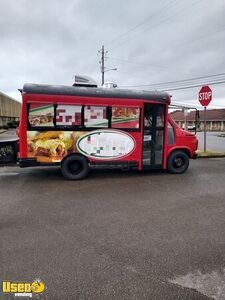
(74, 167)
(178, 162)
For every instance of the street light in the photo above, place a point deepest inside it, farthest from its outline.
(114, 69)
(103, 73)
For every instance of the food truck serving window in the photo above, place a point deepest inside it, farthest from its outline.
(125, 117)
(95, 116)
(41, 115)
(68, 115)
(86, 117)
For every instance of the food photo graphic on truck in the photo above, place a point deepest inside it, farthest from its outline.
(82, 127)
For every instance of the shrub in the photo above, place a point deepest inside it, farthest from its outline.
(13, 124)
(10, 124)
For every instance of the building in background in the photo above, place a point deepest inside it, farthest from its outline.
(9, 109)
(215, 119)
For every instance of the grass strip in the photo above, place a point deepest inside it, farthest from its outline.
(209, 153)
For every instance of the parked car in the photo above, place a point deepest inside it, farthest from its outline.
(191, 127)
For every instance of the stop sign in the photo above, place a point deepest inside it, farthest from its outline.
(205, 95)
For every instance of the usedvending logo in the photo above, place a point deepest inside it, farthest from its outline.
(23, 289)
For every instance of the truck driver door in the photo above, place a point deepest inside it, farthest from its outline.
(153, 137)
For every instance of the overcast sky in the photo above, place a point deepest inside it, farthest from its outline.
(49, 41)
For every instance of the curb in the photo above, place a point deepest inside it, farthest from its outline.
(210, 155)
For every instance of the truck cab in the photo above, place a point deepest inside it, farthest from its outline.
(181, 146)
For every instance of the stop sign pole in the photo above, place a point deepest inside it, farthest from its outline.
(205, 97)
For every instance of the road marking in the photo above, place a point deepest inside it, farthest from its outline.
(9, 174)
(209, 284)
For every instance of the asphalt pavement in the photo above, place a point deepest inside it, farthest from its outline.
(115, 235)
(8, 135)
(214, 141)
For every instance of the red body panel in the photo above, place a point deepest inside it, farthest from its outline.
(136, 155)
(183, 140)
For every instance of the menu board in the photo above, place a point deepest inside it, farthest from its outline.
(41, 115)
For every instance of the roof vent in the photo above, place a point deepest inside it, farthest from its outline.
(109, 85)
(85, 81)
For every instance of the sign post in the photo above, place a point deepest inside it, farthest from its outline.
(205, 97)
(204, 128)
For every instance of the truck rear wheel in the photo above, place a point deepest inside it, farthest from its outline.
(178, 162)
(74, 167)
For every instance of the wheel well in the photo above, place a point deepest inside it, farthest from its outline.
(74, 153)
(185, 150)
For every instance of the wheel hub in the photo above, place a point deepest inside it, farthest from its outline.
(178, 162)
(75, 166)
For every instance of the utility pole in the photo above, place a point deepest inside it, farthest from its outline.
(102, 63)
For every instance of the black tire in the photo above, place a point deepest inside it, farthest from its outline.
(74, 167)
(178, 162)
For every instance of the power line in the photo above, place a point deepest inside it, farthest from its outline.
(157, 24)
(143, 64)
(142, 23)
(190, 43)
(176, 81)
(193, 86)
(176, 88)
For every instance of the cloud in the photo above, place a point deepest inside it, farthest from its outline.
(49, 41)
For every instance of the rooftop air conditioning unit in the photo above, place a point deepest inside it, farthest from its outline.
(84, 81)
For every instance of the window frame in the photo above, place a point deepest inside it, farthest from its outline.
(68, 127)
(40, 128)
(169, 136)
(82, 127)
(108, 117)
(128, 129)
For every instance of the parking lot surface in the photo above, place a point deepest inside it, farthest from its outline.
(214, 141)
(115, 235)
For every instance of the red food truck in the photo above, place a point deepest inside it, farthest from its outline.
(83, 127)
